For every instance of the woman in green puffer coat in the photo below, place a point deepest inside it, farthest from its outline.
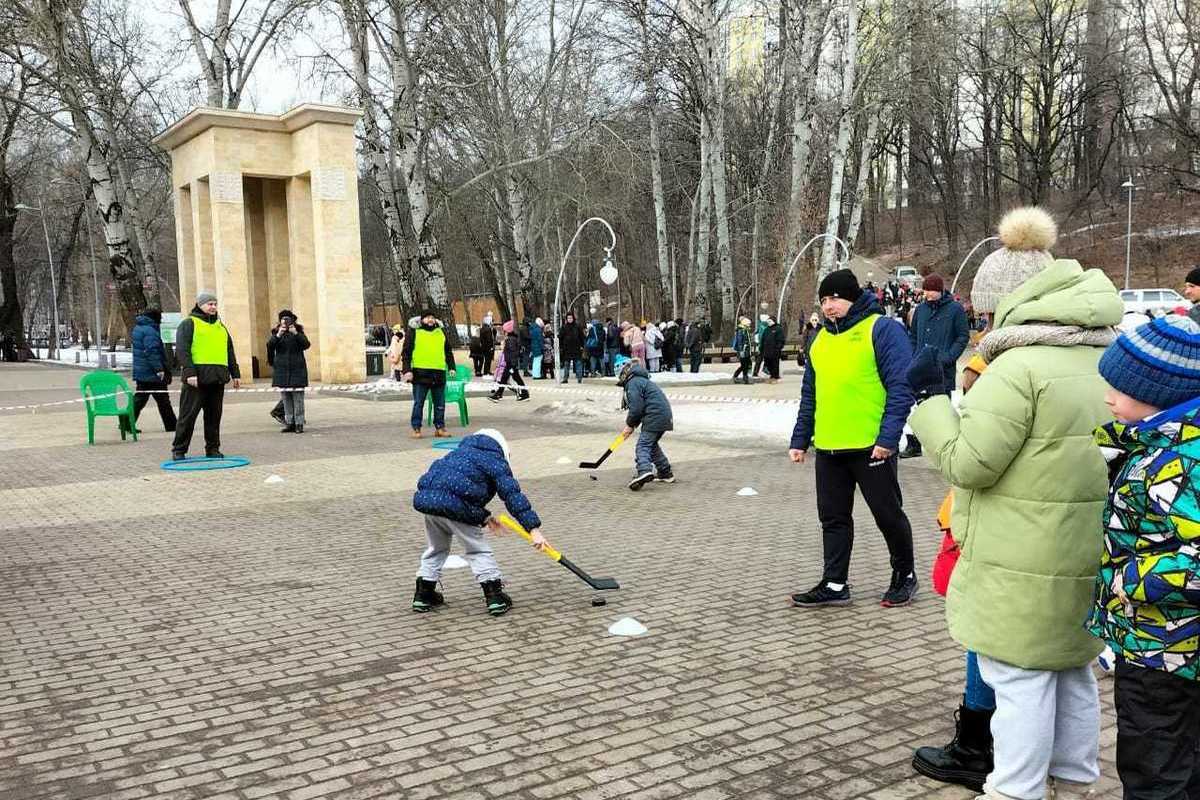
(1029, 490)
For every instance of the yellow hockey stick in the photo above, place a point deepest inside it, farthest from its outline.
(595, 464)
(595, 583)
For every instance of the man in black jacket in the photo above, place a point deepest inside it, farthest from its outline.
(570, 344)
(207, 361)
(772, 347)
(487, 344)
(693, 342)
(938, 324)
(612, 346)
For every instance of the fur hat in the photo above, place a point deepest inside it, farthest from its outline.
(496, 435)
(1027, 234)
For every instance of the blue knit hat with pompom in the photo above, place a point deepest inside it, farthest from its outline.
(1157, 363)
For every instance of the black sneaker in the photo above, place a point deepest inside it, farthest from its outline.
(911, 452)
(494, 597)
(668, 478)
(214, 454)
(901, 591)
(426, 597)
(178, 456)
(641, 480)
(521, 398)
(493, 398)
(822, 595)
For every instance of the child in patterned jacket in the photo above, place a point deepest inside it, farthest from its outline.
(1147, 606)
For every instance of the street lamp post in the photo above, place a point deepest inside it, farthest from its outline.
(963, 265)
(52, 345)
(608, 273)
(787, 278)
(1128, 187)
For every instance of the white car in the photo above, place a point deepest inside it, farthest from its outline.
(1154, 302)
(908, 276)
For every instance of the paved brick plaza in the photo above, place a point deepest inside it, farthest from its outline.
(213, 636)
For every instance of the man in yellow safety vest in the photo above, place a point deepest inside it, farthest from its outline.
(426, 358)
(205, 352)
(853, 405)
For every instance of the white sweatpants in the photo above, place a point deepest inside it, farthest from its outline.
(1046, 723)
(440, 532)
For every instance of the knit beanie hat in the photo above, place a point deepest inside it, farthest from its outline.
(841, 283)
(933, 283)
(1157, 363)
(1193, 277)
(497, 436)
(1027, 234)
(205, 297)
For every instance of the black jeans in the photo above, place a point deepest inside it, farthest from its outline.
(697, 357)
(160, 397)
(477, 360)
(772, 363)
(837, 475)
(1158, 734)
(743, 370)
(758, 362)
(209, 398)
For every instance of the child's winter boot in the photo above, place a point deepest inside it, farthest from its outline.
(426, 597)
(494, 597)
(967, 760)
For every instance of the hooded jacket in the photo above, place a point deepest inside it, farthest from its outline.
(206, 374)
(941, 326)
(1029, 484)
(773, 341)
(647, 405)
(149, 354)
(893, 354)
(285, 354)
(1147, 606)
(459, 485)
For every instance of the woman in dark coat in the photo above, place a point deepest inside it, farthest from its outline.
(512, 365)
(773, 340)
(151, 372)
(570, 340)
(285, 354)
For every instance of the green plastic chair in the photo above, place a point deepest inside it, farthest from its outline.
(456, 392)
(107, 394)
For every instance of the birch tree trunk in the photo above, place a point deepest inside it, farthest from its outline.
(760, 200)
(840, 149)
(716, 156)
(377, 154)
(703, 232)
(864, 171)
(660, 202)
(805, 62)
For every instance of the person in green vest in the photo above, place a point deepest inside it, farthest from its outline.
(426, 358)
(853, 405)
(205, 351)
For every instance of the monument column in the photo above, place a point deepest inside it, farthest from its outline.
(185, 246)
(230, 262)
(202, 238)
(303, 277)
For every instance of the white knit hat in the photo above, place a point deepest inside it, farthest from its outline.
(1027, 235)
(492, 433)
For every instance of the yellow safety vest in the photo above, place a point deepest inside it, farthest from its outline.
(429, 349)
(850, 394)
(210, 343)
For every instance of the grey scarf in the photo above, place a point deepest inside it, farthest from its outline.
(1004, 339)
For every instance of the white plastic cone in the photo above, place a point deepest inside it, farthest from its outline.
(747, 492)
(273, 479)
(455, 561)
(627, 626)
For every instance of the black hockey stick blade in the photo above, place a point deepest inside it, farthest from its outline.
(596, 464)
(600, 584)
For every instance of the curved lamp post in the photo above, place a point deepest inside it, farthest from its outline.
(52, 342)
(608, 274)
(963, 265)
(787, 278)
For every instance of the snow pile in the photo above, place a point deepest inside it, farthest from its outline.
(720, 421)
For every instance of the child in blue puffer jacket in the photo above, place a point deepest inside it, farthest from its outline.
(453, 495)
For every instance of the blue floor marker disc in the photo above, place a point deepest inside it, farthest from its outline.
(197, 463)
(446, 444)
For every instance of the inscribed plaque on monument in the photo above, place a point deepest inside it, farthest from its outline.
(330, 183)
(225, 187)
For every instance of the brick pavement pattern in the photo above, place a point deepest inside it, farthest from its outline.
(209, 635)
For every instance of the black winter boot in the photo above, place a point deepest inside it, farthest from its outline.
(493, 595)
(967, 760)
(426, 597)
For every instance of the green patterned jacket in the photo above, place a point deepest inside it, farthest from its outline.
(1148, 589)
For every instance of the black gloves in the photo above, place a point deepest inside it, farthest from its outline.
(925, 375)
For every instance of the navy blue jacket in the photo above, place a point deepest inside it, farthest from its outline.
(646, 402)
(149, 355)
(893, 354)
(459, 485)
(941, 326)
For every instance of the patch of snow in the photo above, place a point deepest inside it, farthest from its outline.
(715, 420)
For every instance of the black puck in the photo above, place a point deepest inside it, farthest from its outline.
(599, 601)
(593, 477)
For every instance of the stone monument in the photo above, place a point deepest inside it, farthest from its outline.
(266, 215)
